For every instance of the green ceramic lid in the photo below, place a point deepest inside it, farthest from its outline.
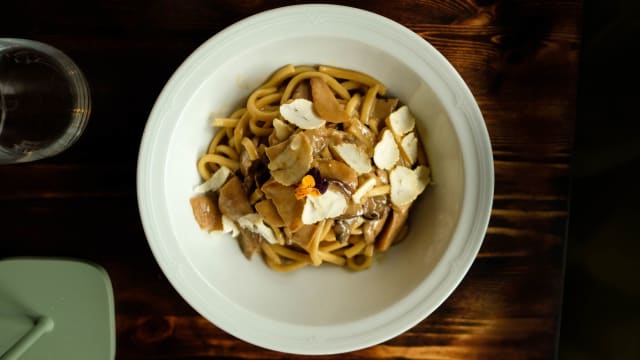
(55, 309)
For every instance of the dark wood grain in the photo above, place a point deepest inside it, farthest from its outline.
(520, 61)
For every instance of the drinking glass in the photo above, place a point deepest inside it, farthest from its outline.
(45, 101)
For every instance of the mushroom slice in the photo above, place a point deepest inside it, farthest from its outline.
(372, 228)
(305, 235)
(206, 213)
(386, 153)
(233, 201)
(401, 121)
(409, 145)
(393, 229)
(383, 108)
(327, 137)
(302, 91)
(353, 156)
(362, 132)
(255, 223)
(268, 211)
(284, 200)
(215, 181)
(249, 242)
(325, 103)
(373, 207)
(329, 205)
(291, 160)
(407, 184)
(338, 170)
(300, 113)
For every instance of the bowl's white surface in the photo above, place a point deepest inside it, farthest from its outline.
(328, 309)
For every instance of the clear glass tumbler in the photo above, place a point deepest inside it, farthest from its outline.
(45, 101)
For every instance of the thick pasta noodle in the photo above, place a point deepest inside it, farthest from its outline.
(318, 167)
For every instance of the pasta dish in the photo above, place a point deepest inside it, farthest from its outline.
(319, 166)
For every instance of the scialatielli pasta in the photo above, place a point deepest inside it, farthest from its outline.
(318, 167)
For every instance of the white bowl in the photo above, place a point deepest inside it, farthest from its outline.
(328, 309)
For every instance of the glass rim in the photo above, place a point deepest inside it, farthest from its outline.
(78, 85)
(2, 110)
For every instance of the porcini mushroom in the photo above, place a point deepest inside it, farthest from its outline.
(232, 200)
(206, 212)
(325, 102)
(268, 211)
(290, 160)
(284, 200)
(338, 170)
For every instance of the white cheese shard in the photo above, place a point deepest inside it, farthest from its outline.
(407, 184)
(329, 205)
(215, 181)
(363, 190)
(386, 153)
(300, 113)
(401, 121)
(409, 145)
(353, 156)
(228, 227)
(255, 223)
(423, 173)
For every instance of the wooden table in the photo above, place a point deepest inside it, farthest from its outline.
(520, 61)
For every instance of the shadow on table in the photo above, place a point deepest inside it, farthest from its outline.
(602, 285)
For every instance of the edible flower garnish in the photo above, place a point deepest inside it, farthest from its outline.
(311, 184)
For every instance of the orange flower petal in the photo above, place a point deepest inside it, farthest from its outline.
(308, 181)
(306, 187)
(301, 193)
(314, 192)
